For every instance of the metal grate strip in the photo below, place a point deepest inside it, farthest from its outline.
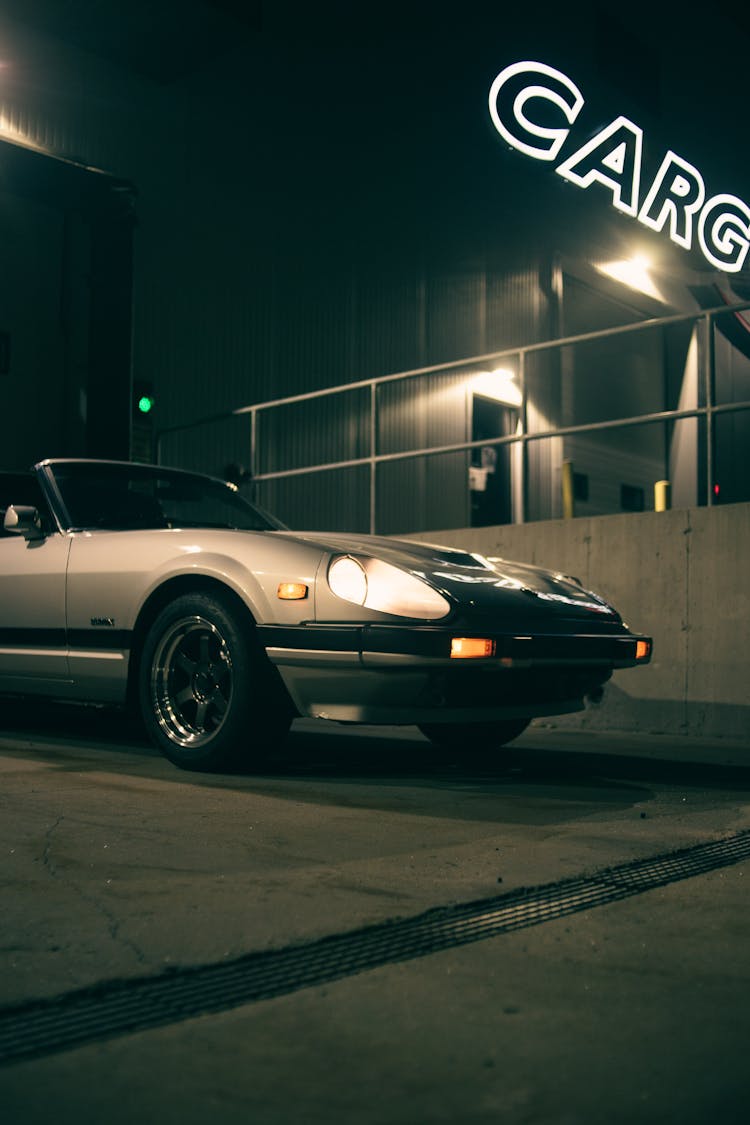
(122, 1007)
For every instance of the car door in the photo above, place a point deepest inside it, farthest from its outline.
(33, 647)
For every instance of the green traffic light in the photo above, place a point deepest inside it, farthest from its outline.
(145, 404)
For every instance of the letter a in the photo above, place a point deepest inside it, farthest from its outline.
(612, 158)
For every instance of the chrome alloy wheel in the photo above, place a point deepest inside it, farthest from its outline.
(191, 681)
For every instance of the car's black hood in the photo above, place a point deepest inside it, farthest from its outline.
(481, 589)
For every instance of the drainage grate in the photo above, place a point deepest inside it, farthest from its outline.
(121, 1007)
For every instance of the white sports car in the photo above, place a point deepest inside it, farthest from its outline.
(125, 583)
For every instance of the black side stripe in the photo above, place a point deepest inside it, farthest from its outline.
(32, 638)
(100, 639)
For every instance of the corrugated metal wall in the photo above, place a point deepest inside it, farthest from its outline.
(210, 448)
(331, 501)
(314, 432)
(328, 334)
(321, 431)
(423, 412)
(263, 270)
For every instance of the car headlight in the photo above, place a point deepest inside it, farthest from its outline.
(375, 584)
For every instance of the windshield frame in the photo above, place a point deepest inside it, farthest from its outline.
(56, 474)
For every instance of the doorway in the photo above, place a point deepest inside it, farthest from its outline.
(491, 473)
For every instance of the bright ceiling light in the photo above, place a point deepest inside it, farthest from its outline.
(635, 273)
(10, 132)
(499, 385)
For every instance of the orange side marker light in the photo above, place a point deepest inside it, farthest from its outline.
(291, 591)
(471, 648)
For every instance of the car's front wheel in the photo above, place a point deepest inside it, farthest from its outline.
(474, 737)
(208, 695)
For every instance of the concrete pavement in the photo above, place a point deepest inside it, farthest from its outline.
(116, 865)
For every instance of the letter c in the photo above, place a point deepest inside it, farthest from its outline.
(511, 120)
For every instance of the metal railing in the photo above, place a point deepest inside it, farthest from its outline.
(709, 410)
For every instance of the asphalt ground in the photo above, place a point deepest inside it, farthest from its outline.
(122, 877)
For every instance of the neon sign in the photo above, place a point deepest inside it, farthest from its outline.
(533, 107)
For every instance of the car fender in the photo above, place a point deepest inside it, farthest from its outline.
(112, 575)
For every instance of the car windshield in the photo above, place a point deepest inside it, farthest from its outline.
(140, 497)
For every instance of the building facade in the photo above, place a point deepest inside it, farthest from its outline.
(225, 208)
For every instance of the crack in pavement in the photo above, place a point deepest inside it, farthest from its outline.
(112, 921)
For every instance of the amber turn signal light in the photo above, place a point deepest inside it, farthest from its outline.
(642, 650)
(291, 591)
(470, 648)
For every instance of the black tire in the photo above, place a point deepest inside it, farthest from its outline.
(208, 696)
(474, 737)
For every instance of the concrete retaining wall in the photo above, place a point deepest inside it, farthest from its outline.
(682, 576)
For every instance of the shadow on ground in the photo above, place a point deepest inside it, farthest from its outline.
(349, 753)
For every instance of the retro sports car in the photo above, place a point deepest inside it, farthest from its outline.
(131, 583)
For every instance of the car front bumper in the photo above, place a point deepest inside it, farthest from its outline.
(406, 674)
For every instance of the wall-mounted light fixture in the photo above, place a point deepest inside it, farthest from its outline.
(635, 273)
(499, 385)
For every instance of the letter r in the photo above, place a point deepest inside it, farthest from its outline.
(677, 194)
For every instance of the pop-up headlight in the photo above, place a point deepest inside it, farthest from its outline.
(378, 585)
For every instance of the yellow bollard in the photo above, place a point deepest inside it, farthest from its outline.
(662, 496)
(568, 493)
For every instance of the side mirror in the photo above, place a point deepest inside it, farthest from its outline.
(24, 520)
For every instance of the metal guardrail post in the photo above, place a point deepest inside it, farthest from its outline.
(709, 363)
(523, 514)
(373, 455)
(253, 445)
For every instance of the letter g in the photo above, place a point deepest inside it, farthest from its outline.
(724, 232)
